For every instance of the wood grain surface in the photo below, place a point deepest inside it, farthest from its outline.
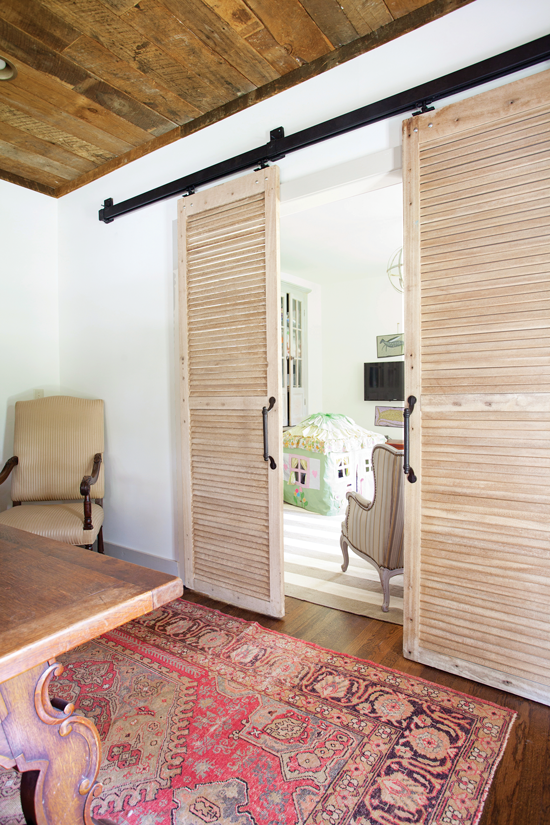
(112, 80)
(54, 597)
(478, 361)
(228, 309)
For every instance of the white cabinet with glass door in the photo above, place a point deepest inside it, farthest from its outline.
(294, 353)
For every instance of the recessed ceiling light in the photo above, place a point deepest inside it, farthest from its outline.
(7, 70)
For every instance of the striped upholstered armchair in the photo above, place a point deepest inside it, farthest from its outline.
(58, 448)
(374, 529)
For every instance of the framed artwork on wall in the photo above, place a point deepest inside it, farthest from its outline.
(388, 416)
(393, 344)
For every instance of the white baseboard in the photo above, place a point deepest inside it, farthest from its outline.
(169, 566)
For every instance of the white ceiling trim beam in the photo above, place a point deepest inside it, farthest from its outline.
(354, 177)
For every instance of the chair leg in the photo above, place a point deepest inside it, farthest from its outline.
(345, 553)
(100, 547)
(385, 576)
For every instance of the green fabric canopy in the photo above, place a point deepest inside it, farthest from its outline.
(325, 455)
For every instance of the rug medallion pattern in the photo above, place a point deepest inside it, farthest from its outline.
(210, 720)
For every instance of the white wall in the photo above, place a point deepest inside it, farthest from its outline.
(29, 328)
(116, 281)
(356, 310)
(116, 333)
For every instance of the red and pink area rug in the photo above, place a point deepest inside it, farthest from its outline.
(208, 719)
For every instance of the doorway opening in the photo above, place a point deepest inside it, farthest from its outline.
(334, 257)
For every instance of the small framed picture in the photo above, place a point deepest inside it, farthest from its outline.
(388, 416)
(387, 345)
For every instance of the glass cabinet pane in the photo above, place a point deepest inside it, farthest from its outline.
(293, 331)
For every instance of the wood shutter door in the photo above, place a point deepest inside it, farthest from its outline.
(477, 204)
(230, 366)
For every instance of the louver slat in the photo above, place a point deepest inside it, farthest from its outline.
(478, 360)
(229, 282)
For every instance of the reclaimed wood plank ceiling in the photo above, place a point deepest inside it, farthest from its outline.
(99, 83)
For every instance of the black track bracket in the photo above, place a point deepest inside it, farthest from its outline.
(423, 108)
(418, 99)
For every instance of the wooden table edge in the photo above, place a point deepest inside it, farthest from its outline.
(38, 652)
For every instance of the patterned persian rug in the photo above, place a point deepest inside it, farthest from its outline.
(313, 569)
(208, 719)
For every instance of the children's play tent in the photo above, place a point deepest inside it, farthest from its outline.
(325, 456)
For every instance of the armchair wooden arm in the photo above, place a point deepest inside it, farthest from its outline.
(8, 467)
(85, 484)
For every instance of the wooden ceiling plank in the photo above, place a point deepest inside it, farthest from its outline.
(434, 10)
(245, 23)
(399, 8)
(80, 107)
(28, 183)
(124, 106)
(182, 44)
(101, 62)
(47, 131)
(332, 20)
(292, 27)
(120, 6)
(18, 46)
(240, 17)
(276, 55)
(24, 170)
(221, 38)
(39, 22)
(102, 24)
(366, 15)
(10, 152)
(31, 113)
(32, 143)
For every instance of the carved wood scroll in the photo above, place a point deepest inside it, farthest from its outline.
(57, 752)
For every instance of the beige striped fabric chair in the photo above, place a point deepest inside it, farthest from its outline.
(374, 529)
(58, 449)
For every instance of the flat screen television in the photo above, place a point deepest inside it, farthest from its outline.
(385, 381)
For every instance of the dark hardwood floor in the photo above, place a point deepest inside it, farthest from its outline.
(520, 793)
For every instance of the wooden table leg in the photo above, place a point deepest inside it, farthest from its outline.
(57, 752)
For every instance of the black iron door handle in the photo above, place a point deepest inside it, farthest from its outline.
(265, 411)
(411, 401)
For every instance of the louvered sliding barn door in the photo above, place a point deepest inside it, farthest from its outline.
(477, 204)
(230, 365)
